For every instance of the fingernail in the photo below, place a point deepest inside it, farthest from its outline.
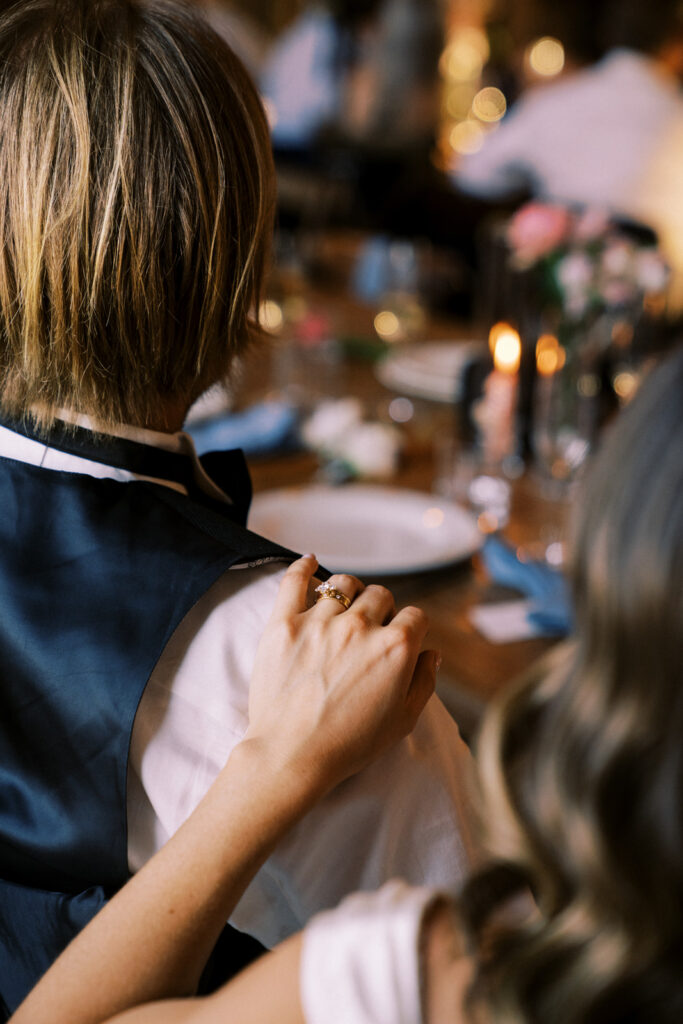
(310, 555)
(438, 660)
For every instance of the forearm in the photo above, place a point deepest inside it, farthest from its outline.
(158, 931)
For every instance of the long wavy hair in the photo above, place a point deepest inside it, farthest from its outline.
(136, 207)
(582, 765)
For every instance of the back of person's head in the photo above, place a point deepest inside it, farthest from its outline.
(136, 202)
(582, 767)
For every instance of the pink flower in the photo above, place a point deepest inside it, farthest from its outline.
(536, 230)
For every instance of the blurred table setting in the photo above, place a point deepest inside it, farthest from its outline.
(391, 445)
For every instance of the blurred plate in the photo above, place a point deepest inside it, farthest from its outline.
(367, 529)
(430, 370)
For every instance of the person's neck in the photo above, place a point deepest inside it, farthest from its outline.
(169, 420)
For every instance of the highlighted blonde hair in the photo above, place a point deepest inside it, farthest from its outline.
(136, 207)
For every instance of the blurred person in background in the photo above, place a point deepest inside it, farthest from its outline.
(577, 918)
(353, 92)
(305, 78)
(600, 135)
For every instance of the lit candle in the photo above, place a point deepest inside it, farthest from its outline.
(550, 356)
(495, 414)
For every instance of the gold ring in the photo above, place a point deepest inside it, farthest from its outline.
(327, 590)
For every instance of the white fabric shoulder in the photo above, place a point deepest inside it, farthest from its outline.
(360, 962)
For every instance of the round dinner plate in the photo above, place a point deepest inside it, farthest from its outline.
(367, 529)
(432, 370)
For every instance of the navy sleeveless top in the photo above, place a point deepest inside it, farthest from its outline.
(95, 575)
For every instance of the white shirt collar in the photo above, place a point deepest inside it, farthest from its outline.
(23, 449)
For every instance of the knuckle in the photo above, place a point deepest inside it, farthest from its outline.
(418, 618)
(344, 581)
(360, 620)
(402, 642)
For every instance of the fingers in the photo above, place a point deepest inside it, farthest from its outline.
(413, 621)
(293, 593)
(377, 603)
(422, 685)
(348, 586)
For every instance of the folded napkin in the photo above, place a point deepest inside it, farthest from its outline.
(259, 430)
(550, 604)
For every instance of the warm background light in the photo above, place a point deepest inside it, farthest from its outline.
(467, 137)
(465, 55)
(489, 105)
(270, 315)
(432, 518)
(387, 324)
(545, 57)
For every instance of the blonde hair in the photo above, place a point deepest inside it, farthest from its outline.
(136, 206)
(582, 764)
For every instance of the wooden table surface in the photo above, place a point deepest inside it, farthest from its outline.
(473, 669)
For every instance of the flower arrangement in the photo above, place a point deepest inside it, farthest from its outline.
(586, 264)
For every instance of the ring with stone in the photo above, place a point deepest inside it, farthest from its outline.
(327, 590)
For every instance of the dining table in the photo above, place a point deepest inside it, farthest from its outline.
(474, 669)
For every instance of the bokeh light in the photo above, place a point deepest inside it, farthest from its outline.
(432, 518)
(550, 355)
(401, 410)
(625, 385)
(545, 56)
(270, 315)
(467, 137)
(489, 105)
(465, 55)
(387, 324)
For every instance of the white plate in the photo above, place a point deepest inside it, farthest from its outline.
(367, 529)
(430, 370)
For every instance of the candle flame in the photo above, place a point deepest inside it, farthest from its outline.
(506, 346)
(550, 356)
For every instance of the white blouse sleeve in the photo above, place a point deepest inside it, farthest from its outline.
(360, 962)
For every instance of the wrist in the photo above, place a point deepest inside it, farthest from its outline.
(289, 780)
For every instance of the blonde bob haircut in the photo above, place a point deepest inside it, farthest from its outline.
(136, 208)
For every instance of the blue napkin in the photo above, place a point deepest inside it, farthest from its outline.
(261, 429)
(547, 588)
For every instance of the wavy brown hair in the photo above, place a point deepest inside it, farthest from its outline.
(582, 766)
(136, 206)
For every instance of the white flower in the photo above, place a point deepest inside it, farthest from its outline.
(652, 273)
(575, 272)
(330, 422)
(371, 449)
